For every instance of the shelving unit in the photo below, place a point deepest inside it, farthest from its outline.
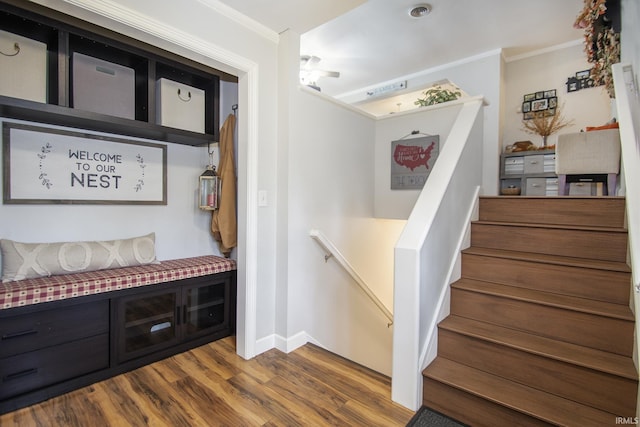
(533, 172)
(65, 35)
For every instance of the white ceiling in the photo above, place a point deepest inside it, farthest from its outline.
(376, 41)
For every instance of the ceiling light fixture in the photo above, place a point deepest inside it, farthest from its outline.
(420, 11)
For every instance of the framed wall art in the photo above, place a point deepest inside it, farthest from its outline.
(541, 103)
(412, 161)
(56, 166)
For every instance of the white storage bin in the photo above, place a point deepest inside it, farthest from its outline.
(103, 87)
(23, 75)
(179, 106)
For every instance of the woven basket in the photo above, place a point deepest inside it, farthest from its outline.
(511, 191)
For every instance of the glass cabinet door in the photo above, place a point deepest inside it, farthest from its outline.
(205, 308)
(147, 323)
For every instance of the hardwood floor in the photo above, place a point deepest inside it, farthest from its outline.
(212, 386)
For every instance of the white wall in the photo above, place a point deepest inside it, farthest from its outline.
(550, 70)
(630, 38)
(331, 187)
(434, 120)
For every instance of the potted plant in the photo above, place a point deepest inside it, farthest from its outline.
(438, 95)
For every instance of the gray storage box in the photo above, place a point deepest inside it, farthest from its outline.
(23, 75)
(103, 87)
(179, 106)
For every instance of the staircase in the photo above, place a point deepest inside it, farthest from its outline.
(540, 330)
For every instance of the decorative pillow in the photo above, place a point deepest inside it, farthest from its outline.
(28, 260)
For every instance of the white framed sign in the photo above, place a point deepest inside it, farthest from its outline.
(46, 165)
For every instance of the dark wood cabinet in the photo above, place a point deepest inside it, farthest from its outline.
(65, 36)
(52, 348)
(146, 323)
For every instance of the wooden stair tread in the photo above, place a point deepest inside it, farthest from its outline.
(549, 259)
(554, 226)
(535, 403)
(600, 308)
(558, 350)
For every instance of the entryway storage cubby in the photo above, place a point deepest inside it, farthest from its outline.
(148, 322)
(83, 60)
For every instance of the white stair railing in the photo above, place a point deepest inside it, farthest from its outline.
(332, 252)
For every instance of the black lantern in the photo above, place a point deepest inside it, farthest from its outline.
(209, 189)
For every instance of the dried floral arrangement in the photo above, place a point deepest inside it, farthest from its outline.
(602, 43)
(545, 125)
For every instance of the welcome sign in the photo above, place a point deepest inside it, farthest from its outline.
(44, 165)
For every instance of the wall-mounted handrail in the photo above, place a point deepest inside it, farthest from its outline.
(332, 252)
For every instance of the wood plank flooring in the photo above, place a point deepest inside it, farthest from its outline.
(212, 386)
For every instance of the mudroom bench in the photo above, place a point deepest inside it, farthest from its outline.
(60, 333)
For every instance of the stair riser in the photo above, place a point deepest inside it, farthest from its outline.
(608, 334)
(591, 212)
(471, 409)
(599, 245)
(609, 286)
(594, 388)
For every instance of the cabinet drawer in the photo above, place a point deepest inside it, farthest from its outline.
(32, 331)
(513, 165)
(29, 371)
(536, 186)
(551, 187)
(534, 164)
(549, 163)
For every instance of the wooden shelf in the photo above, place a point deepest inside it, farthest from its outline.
(21, 109)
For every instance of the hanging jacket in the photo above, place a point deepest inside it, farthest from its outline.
(223, 220)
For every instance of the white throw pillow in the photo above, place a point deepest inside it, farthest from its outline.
(29, 260)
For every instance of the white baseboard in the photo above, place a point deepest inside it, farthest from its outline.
(286, 345)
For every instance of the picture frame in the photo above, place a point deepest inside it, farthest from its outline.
(539, 104)
(412, 160)
(44, 165)
(585, 74)
(542, 103)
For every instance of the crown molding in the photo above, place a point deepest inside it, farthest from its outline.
(542, 51)
(121, 14)
(244, 20)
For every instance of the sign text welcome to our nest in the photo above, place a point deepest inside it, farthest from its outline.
(45, 165)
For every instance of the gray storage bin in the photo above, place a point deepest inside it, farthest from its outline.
(103, 87)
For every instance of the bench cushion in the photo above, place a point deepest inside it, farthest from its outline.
(54, 288)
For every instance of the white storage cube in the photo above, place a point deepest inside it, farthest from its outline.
(179, 106)
(103, 87)
(23, 75)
